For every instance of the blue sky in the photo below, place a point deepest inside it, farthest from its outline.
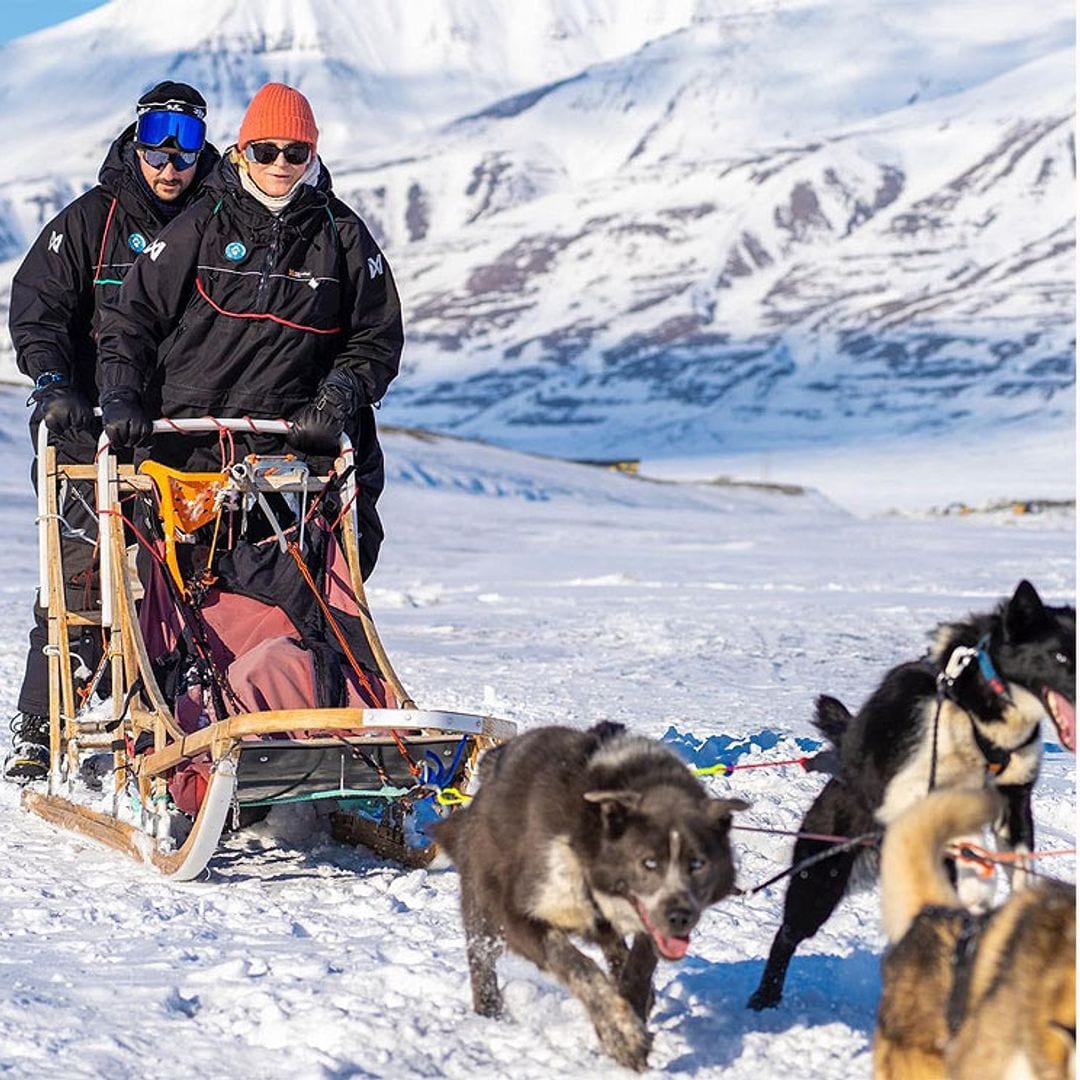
(19, 17)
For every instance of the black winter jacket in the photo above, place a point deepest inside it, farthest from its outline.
(236, 311)
(78, 262)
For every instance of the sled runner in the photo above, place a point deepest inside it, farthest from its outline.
(243, 667)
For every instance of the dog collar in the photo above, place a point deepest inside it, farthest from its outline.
(987, 669)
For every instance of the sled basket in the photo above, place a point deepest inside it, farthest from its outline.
(243, 666)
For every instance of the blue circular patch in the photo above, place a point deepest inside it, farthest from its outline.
(235, 251)
(136, 241)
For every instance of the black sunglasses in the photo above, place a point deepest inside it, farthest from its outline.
(158, 159)
(266, 153)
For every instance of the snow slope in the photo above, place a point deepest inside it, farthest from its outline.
(544, 592)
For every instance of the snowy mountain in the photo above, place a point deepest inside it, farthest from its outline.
(693, 228)
(731, 239)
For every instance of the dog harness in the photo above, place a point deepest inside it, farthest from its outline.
(958, 662)
(963, 964)
(998, 758)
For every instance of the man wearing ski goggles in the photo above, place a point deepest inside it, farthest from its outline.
(166, 123)
(152, 170)
(169, 136)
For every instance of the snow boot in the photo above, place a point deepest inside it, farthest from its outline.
(29, 756)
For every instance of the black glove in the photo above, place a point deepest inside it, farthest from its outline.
(317, 426)
(61, 406)
(124, 417)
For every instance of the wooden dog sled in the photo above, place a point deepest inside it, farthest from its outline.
(204, 728)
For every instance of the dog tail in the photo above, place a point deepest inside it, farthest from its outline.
(607, 729)
(913, 873)
(831, 718)
(448, 834)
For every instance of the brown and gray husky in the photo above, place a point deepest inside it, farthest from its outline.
(597, 834)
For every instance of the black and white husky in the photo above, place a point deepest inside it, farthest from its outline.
(966, 716)
(591, 834)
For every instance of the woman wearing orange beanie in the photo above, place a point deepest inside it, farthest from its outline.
(267, 298)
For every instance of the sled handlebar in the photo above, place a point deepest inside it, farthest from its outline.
(213, 423)
(201, 424)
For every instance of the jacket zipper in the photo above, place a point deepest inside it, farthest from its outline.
(268, 265)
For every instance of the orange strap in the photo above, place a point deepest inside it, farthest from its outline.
(187, 503)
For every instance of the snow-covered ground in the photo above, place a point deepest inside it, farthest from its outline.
(547, 593)
(911, 475)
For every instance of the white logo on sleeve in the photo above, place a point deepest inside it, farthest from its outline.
(57, 238)
(374, 266)
(155, 249)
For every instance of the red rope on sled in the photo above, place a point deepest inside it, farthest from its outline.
(344, 510)
(138, 534)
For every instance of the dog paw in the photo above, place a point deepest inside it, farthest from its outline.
(488, 1004)
(623, 1036)
(764, 997)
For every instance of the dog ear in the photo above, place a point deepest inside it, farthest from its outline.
(720, 811)
(615, 806)
(628, 800)
(1024, 611)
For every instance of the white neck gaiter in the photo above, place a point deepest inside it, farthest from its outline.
(276, 203)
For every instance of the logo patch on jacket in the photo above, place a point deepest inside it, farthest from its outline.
(155, 249)
(235, 251)
(374, 266)
(137, 242)
(55, 240)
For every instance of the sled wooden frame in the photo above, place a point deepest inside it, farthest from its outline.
(138, 706)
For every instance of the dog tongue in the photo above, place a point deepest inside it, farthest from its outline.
(1063, 713)
(673, 948)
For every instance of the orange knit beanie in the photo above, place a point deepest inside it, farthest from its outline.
(278, 111)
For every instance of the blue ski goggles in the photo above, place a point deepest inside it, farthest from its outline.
(156, 127)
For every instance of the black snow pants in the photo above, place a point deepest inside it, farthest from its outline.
(78, 537)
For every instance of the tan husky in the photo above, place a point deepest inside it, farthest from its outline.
(970, 997)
